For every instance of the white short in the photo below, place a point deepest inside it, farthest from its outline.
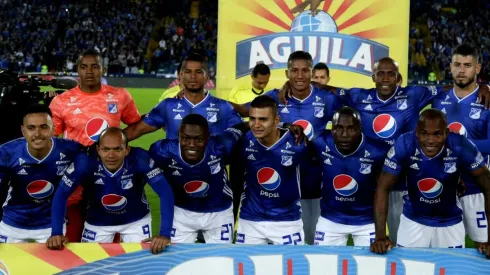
(287, 232)
(413, 234)
(395, 209)
(133, 232)
(10, 234)
(474, 218)
(216, 227)
(310, 211)
(336, 234)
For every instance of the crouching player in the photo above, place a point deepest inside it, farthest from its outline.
(118, 203)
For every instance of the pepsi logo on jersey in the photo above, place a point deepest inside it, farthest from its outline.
(307, 128)
(270, 180)
(114, 202)
(94, 128)
(345, 186)
(430, 189)
(457, 128)
(40, 189)
(384, 125)
(196, 188)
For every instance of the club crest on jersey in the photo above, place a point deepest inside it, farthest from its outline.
(126, 184)
(94, 128)
(457, 127)
(212, 117)
(268, 178)
(40, 189)
(61, 170)
(287, 160)
(365, 168)
(318, 112)
(401, 104)
(384, 125)
(196, 188)
(430, 187)
(114, 202)
(450, 167)
(215, 168)
(345, 185)
(475, 113)
(112, 108)
(307, 127)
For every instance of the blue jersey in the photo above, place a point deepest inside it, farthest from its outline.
(312, 113)
(386, 120)
(202, 187)
(432, 182)
(115, 198)
(349, 181)
(272, 179)
(33, 181)
(169, 113)
(470, 119)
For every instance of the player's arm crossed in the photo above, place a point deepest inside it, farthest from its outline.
(151, 122)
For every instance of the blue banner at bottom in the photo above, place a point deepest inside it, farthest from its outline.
(291, 260)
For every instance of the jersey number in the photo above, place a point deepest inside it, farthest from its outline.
(480, 221)
(290, 239)
(226, 231)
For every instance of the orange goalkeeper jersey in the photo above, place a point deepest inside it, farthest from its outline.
(83, 116)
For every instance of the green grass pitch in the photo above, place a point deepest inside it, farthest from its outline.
(146, 99)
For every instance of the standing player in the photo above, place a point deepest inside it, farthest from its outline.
(195, 166)
(388, 111)
(469, 118)
(321, 74)
(35, 165)
(434, 161)
(117, 199)
(351, 165)
(82, 113)
(270, 209)
(312, 109)
(169, 113)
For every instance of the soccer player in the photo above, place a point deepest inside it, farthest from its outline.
(35, 164)
(321, 74)
(351, 165)
(434, 160)
(271, 209)
(195, 166)
(312, 109)
(388, 111)
(117, 199)
(260, 78)
(169, 113)
(82, 113)
(467, 117)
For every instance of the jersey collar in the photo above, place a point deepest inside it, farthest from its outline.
(275, 144)
(49, 153)
(199, 103)
(115, 173)
(303, 100)
(468, 95)
(192, 165)
(392, 96)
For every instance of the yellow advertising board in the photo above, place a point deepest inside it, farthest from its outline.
(348, 35)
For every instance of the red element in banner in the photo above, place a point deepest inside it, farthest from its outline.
(113, 249)
(52, 257)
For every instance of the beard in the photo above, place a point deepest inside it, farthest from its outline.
(463, 84)
(194, 90)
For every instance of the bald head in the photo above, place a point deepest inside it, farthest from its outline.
(385, 60)
(114, 132)
(386, 77)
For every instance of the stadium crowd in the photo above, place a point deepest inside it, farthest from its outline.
(437, 27)
(37, 33)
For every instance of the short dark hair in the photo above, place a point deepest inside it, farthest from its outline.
(300, 55)
(194, 119)
(196, 58)
(465, 50)
(346, 111)
(321, 66)
(261, 69)
(37, 109)
(264, 101)
(113, 130)
(431, 114)
(89, 52)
